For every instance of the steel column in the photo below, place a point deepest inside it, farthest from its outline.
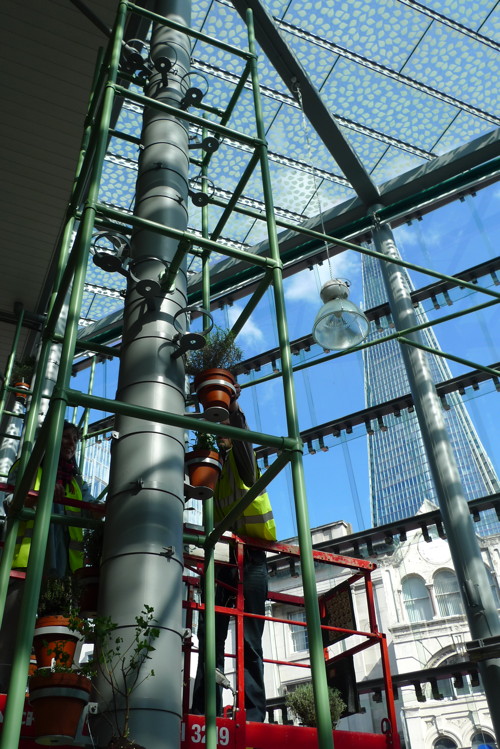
(146, 490)
(475, 589)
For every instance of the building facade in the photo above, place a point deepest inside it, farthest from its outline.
(400, 476)
(418, 607)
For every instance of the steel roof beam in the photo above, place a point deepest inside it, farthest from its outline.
(416, 192)
(404, 195)
(318, 114)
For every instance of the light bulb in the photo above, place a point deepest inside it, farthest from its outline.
(339, 324)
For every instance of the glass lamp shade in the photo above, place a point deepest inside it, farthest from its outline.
(339, 324)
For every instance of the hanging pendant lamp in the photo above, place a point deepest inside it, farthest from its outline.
(339, 324)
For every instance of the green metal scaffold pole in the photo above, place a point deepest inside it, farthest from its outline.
(318, 672)
(55, 418)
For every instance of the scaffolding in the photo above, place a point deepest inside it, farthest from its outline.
(151, 281)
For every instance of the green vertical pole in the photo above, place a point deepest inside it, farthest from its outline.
(85, 425)
(324, 723)
(17, 687)
(13, 522)
(88, 142)
(208, 519)
(210, 664)
(10, 361)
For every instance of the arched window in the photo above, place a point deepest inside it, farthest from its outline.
(482, 740)
(447, 593)
(443, 742)
(416, 599)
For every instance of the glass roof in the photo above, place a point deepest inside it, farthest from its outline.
(406, 82)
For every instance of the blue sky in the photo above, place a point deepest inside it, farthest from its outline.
(450, 239)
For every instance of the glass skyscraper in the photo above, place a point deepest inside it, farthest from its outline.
(400, 477)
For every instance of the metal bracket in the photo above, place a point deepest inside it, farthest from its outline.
(146, 287)
(164, 65)
(133, 62)
(169, 552)
(201, 199)
(194, 94)
(190, 341)
(110, 259)
(187, 342)
(210, 144)
(197, 492)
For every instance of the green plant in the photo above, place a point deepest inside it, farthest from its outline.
(121, 667)
(301, 703)
(62, 660)
(57, 596)
(220, 351)
(23, 370)
(204, 441)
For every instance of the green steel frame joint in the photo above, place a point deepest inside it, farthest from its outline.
(272, 264)
(59, 394)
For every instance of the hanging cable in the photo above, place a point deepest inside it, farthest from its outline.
(296, 90)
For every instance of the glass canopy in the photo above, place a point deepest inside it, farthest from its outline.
(406, 82)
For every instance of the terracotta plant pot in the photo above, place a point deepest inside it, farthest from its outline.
(87, 580)
(53, 634)
(214, 388)
(58, 699)
(204, 467)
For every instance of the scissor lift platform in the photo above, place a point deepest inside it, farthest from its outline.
(230, 735)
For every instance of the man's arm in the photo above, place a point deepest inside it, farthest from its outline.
(244, 455)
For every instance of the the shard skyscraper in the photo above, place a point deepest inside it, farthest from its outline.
(400, 477)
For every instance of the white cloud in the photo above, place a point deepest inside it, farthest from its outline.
(305, 286)
(250, 332)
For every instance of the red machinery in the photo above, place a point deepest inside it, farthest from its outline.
(236, 732)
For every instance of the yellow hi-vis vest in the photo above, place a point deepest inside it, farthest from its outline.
(257, 520)
(23, 542)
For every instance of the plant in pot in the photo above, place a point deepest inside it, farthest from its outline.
(213, 381)
(301, 703)
(203, 464)
(87, 577)
(121, 667)
(58, 695)
(22, 375)
(54, 638)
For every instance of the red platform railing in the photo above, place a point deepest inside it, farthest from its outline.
(236, 731)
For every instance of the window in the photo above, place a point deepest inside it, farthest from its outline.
(483, 741)
(416, 599)
(447, 593)
(300, 640)
(443, 742)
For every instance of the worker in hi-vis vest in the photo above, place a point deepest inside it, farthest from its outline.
(239, 473)
(64, 552)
